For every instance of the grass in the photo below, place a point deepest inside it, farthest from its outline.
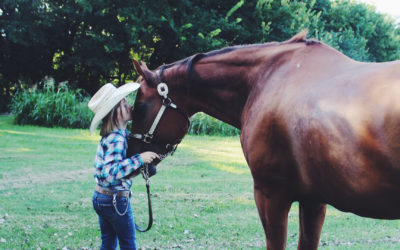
(202, 197)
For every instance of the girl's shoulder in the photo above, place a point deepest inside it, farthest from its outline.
(116, 136)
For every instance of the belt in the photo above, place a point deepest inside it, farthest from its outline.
(110, 192)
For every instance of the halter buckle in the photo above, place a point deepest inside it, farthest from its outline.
(147, 138)
(167, 101)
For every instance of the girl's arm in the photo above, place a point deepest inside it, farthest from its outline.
(115, 165)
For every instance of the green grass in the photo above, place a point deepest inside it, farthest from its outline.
(202, 197)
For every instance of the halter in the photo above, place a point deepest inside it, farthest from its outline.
(162, 89)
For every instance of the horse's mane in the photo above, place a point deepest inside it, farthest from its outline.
(300, 37)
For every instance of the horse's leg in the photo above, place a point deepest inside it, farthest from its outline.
(273, 208)
(312, 217)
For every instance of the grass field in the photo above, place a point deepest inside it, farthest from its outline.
(202, 198)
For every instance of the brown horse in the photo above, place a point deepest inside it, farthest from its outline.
(316, 126)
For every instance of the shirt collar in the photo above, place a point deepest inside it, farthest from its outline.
(123, 132)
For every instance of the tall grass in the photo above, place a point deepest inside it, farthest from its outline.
(65, 107)
(50, 107)
(202, 124)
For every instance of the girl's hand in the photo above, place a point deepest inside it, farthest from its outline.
(148, 156)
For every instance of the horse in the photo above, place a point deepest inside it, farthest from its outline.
(316, 126)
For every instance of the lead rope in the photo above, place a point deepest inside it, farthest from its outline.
(145, 173)
(146, 176)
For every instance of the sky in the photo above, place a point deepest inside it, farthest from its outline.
(391, 7)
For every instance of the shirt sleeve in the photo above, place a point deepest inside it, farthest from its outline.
(116, 166)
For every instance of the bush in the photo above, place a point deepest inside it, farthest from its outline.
(202, 124)
(50, 107)
(67, 108)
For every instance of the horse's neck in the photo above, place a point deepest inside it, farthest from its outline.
(220, 84)
(217, 90)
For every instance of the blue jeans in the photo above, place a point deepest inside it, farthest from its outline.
(114, 227)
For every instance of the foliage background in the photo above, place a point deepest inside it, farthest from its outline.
(49, 107)
(64, 107)
(88, 43)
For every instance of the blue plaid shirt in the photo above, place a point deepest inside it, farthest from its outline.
(111, 165)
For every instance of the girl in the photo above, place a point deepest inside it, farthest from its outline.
(112, 192)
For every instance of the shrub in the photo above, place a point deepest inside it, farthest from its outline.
(202, 124)
(65, 107)
(49, 107)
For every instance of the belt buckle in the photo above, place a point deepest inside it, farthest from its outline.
(125, 193)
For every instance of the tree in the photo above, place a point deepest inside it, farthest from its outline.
(359, 31)
(25, 52)
(90, 42)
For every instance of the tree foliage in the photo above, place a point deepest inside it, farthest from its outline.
(90, 42)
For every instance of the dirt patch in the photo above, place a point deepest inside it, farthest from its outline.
(30, 178)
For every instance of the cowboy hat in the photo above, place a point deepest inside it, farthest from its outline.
(106, 98)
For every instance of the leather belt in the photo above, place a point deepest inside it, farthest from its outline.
(110, 192)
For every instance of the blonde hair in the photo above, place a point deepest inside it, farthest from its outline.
(110, 121)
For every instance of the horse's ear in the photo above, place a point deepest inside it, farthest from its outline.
(137, 67)
(144, 71)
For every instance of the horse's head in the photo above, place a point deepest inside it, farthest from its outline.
(158, 124)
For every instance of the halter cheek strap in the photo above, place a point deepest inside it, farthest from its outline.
(162, 89)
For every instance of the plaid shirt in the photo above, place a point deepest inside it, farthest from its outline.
(111, 165)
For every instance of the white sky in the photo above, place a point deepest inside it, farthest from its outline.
(391, 7)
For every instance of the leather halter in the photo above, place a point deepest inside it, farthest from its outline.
(148, 137)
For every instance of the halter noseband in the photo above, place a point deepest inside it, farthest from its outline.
(162, 89)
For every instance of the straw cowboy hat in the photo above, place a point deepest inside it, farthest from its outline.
(106, 98)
